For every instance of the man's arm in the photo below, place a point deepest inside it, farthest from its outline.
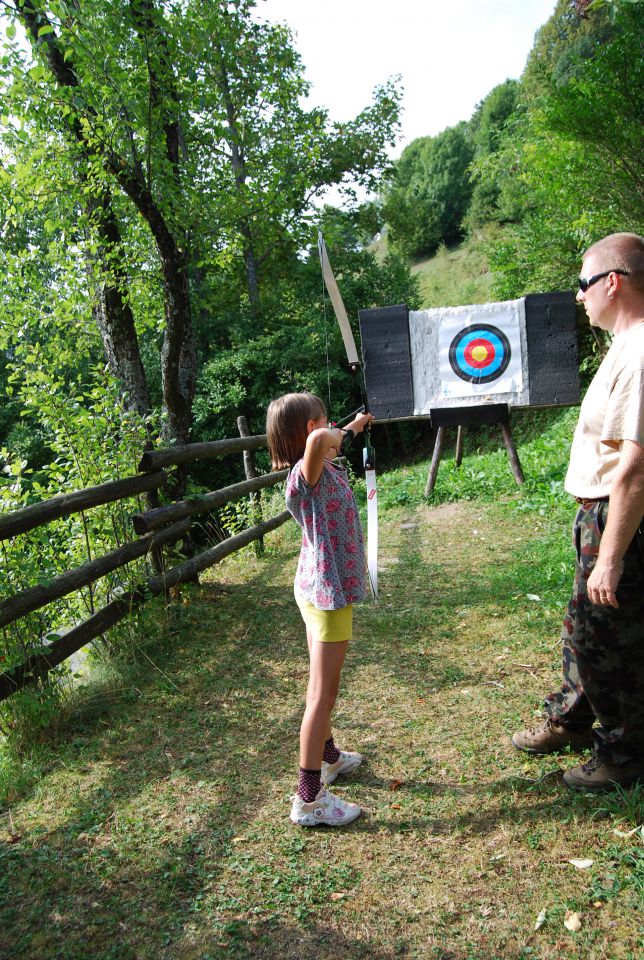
(624, 517)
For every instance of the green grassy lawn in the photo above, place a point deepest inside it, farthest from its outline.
(158, 828)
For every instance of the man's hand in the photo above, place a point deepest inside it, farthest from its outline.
(624, 517)
(602, 584)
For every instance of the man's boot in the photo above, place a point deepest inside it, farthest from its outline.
(550, 737)
(597, 775)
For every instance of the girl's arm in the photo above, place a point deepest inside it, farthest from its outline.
(322, 440)
(319, 444)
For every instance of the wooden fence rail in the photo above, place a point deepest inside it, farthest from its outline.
(39, 665)
(159, 516)
(182, 453)
(39, 596)
(173, 522)
(38, 514)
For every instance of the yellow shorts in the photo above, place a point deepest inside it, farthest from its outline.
(327, 626)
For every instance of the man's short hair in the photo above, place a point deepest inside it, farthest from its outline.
(621, 251)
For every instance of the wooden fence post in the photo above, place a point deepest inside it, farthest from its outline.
(251, 473)
(436, 456)
(458, 457)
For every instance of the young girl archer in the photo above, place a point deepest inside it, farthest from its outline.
(330, 578)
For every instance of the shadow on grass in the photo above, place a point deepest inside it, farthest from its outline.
(272, 939)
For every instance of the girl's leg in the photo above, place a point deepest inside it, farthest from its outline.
(309, 640)
(331, 753)
(326, 661)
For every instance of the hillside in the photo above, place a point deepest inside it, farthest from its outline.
(458, 274)
(454, 275)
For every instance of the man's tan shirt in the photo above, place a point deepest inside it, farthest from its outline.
(612, 411)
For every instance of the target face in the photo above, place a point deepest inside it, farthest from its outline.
(479, 353)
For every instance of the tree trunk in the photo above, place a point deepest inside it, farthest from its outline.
(115, 319)
(178, 354)
(252, 272)
(178, 358)
(239, 173)
(120, 345)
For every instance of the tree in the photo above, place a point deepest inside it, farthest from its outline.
(106, 145)
(427, 197)
(303, 348)
(271, 156)
(580, 162)
(561, 45)
(187, 148)
(488, 127)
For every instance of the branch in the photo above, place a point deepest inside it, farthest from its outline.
(129, 179)
(162, 85)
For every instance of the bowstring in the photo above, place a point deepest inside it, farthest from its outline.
(363, 394)
(326, 340)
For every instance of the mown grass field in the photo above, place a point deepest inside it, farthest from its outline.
(158, 827)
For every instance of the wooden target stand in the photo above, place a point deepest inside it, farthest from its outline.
(461, 417)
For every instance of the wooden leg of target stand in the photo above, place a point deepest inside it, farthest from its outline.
(433, 470)
(512, 453)
(459, 445)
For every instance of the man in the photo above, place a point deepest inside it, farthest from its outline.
(603, 630)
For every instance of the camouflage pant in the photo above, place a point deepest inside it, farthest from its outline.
(603, 649)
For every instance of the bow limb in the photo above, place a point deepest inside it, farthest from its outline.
(338, 306)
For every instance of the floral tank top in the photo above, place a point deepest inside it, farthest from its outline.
(331, 570)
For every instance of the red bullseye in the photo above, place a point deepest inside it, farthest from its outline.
(479, 353)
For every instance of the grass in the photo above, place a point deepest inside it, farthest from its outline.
(453, 275)
(458, 274)
(158, 827)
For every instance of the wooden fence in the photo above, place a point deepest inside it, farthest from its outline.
(155, 528)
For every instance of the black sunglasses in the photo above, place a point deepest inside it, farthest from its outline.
(584, 284)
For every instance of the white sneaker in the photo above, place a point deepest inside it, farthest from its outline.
(325, 809)
(346, 762)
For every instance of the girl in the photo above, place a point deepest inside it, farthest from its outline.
(330, 578)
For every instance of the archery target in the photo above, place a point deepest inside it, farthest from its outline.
(407, 363)
(467, 355)
(480, 353)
